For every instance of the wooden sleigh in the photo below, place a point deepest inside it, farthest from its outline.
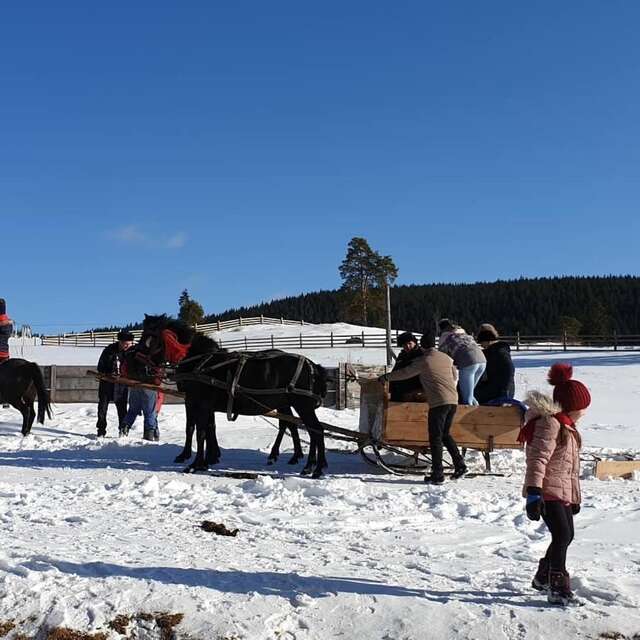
(399, 435)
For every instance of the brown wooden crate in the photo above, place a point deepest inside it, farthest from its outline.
(616, 468)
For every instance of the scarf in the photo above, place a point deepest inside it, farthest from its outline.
(526, 433)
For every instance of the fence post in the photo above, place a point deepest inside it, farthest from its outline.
(332, 339)
(363, 338)
(281, 320)
(272, 345)
(301, 340)
(246, 346)
(218, 325)
(240, 321)
(615, 340)
(52, 383)
(564, 340)
(517, 341)
(261, 319)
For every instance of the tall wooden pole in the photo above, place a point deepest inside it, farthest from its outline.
(388, 321)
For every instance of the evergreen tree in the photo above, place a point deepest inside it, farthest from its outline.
(190, 311)
(569, 325)
(364, 273)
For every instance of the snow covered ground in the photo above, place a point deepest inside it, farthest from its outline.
(95, 529)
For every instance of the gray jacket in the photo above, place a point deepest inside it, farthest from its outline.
(464, 350)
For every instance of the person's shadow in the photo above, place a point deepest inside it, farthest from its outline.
(271, 583)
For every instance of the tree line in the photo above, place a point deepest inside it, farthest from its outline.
(576, 305)
(589, 305)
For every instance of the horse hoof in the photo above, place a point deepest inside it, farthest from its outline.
(317, 474)
(271, 461)
(182, 458)
(306, 471)
(294, 460)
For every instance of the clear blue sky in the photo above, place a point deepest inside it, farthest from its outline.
(234, 148)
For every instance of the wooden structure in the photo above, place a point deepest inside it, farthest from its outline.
(617, 469)
(401, 427)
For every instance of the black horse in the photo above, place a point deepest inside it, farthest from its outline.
(21, 383)
(241, 383)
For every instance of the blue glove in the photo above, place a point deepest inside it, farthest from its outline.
(535, 503)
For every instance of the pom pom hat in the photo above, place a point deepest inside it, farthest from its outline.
(571, 394)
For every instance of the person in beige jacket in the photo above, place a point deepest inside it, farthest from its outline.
(438, 377)
(552, 479)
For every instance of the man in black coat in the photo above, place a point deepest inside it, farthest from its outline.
(109, 363)
(497, 381)
(403, 389)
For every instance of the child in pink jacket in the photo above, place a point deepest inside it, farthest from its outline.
(552, 480)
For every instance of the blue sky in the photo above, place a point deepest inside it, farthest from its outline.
(235, 148)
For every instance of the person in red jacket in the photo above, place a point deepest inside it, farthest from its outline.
(552, 479)
(6, 331)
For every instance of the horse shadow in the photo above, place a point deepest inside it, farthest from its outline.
(287, 585)
(138, 455)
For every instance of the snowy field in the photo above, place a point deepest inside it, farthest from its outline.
(96, 529)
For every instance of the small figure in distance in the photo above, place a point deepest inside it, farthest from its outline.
(110, 363)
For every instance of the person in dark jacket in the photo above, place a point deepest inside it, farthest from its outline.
(405, 390)
(497, 381)
(110, 363)
(6, 331)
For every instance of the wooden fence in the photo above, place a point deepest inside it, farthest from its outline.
(362, 339)
(104, 338)
(70, 384)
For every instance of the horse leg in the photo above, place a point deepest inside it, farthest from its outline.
(317, 462)
(298, 454)
(27, 413)
(275, 449)
(202, 421)
(190, 428)
(213, 450)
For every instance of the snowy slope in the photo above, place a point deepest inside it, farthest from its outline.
(92, 529)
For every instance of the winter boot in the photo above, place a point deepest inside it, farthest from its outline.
(434, 479)
(540, 581)
(560, 590)
(102, 433)
(123, 432)
(459, 472)
(149, 434)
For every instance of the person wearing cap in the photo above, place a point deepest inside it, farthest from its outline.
(406, 389)
(438, 377)
(467, 356)
(552, 478)
(110, 363)
(497, 381)
(6, 331)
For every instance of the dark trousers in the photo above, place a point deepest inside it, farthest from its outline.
(105, 396)
(440, 419)
(559, 521)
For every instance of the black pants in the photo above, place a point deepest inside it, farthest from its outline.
(440, 419)
(105, 396)
(559, 521)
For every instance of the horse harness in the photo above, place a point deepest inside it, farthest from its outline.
(202, 374)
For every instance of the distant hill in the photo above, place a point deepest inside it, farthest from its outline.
(530, 305)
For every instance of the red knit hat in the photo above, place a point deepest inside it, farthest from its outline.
(570, 394)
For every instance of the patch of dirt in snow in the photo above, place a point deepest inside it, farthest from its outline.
(6, 627)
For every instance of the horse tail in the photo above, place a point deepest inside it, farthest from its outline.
(44, 406)
(320, 383)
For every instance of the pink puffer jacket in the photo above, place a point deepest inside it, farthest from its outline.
(553, 455)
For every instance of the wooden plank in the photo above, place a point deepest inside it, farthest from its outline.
(472, 427)
(616, 469)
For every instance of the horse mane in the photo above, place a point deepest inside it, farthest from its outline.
(157, 324)
(183, 331)
(202, 343)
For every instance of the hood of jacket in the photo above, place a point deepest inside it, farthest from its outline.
(540, 405)
(501, 345)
